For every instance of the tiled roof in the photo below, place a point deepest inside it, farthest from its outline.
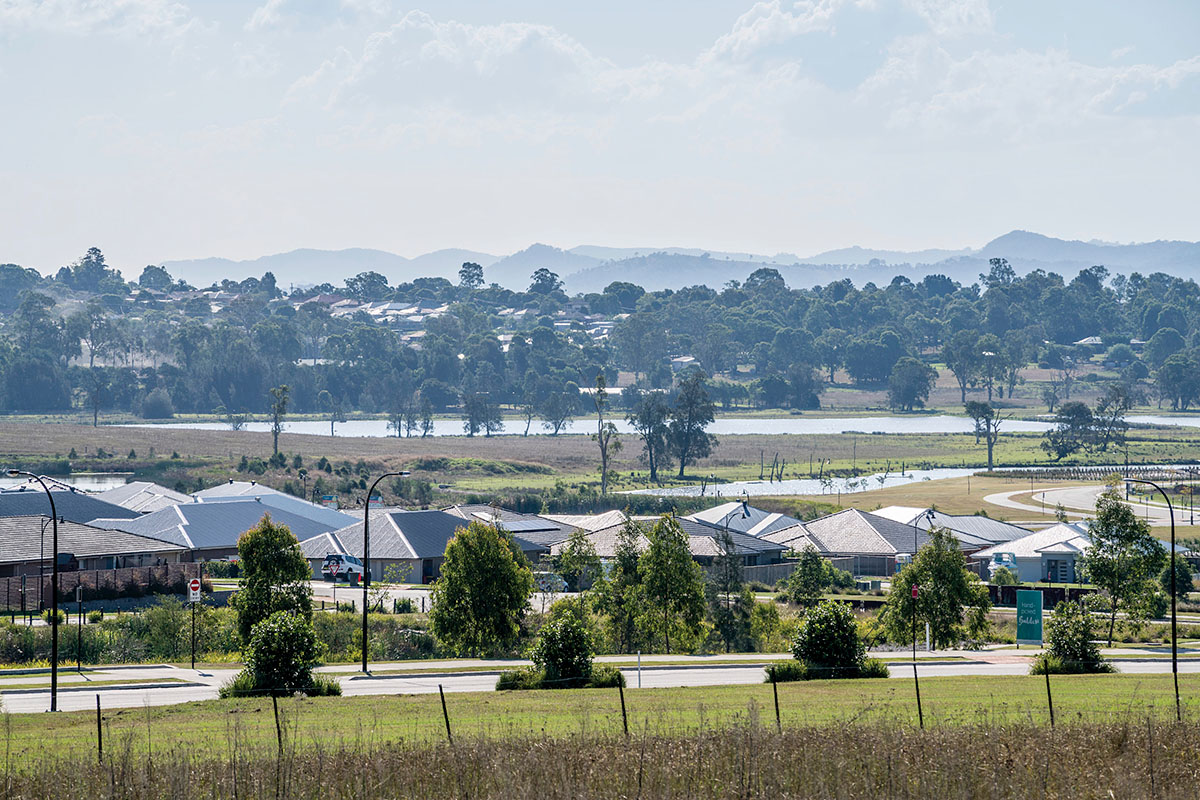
(285, 502)
(203, 526)
(751, 520)
(854, 532)
(21, 539)
(143, 496)
(68, 505)
(397, 534)
(588, 522)
(530, 527)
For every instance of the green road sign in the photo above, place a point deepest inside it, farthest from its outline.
(1029, 616)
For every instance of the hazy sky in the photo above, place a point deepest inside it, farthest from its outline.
(158, 130)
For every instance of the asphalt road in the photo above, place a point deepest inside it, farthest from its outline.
(1079, 502)
(205, 684)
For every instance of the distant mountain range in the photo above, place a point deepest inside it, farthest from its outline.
(589, 268)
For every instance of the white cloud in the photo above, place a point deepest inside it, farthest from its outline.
(132, 17)
(768, 23)
(954, 17)
(265, 16)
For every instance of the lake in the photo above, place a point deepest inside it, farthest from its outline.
(723, 426)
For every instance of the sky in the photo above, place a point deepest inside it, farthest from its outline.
(160, 130)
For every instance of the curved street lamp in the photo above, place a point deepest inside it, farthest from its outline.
(1174, 644)
(14, 473)
(367, 557)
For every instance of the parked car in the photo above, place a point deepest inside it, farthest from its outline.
(549, 582)
(339, 567)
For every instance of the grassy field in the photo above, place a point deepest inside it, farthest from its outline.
(541, 462)
(202, 728)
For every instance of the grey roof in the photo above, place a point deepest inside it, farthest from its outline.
(322, 545)
(970, 528)
(68, 505)
(588, 522)
(742, 542)
(143, 496)
(530, 527)
(398, 534)
(703, 541)
(751, 520)
(854, 532)
(21, 539)
(295, 505)
(206, 526)
(234, 488)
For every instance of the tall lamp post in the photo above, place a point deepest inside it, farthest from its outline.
(1174, 644)
(367, 557)
(13, 473)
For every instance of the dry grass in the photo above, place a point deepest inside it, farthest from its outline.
(748, 758)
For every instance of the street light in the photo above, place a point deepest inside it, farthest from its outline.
(13, 473)
(1174, 644)
(367, 556)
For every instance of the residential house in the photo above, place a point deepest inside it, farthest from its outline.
(873, 542)
(742, 517)
(1052, 554)
(143, 496)
(211, 530)
(29, 500)
(413, 540)
(26, 547)
(974, 532)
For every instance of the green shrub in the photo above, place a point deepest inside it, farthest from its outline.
(240, 685)
(62, 617)
(1069, 645)
(325, 686)
(1004, 577)
(95, 616)
(563, 651)
(606, 677)
(283, 650)
(785, 671)
(524, 678)
(873, 668)
(827, 642)
(403, 605)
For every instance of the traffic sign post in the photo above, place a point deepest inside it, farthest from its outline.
(79, 629)
(194, 598)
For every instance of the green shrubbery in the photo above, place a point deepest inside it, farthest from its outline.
(280, 658)
(828, 645)
(1069, 645)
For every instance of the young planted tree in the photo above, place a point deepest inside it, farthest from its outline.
(279, 406)
(730, 601)
(950, 598)
(1124, 559)
(807, 583)
(619, 594)
(275, 576)
(577, 562)
(606, 436)
(1069, 645)
(483, 592)
(672, 584)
